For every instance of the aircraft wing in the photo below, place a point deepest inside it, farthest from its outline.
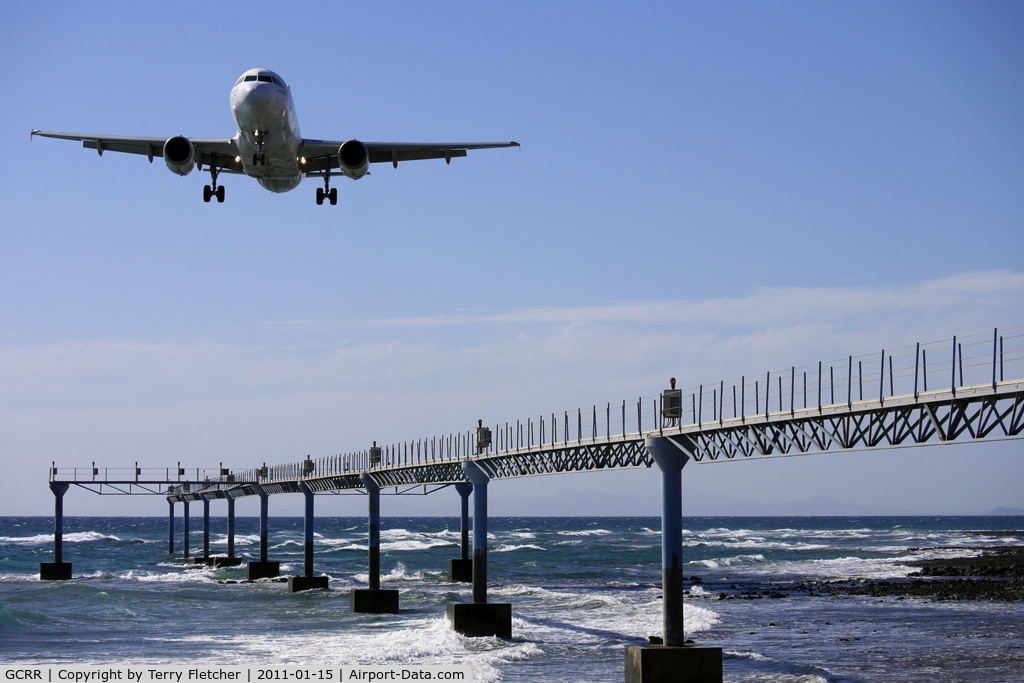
(219, 151)
(325, 152)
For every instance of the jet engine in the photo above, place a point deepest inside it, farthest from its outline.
(354, 159)
(179, 155)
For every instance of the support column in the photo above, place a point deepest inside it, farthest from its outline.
(462, 569)
(231, 528)
(480, 618)
(58, 570)
(205, 559)
(230, 560)
(206, 529)
(263, 569)
(675, 660)
(185, 527)
(170, 527)
(307, 581)
(373, 600)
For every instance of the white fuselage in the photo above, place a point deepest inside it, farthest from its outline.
(268, 131)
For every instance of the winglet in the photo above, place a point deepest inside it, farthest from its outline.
(33, 133)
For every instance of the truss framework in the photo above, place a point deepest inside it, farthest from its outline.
(970, 414)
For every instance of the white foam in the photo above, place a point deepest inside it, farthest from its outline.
(397, 574)
(76, 537)
(198, 575)
(510, 548)
(414, 544)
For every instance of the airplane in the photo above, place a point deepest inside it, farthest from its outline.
(268, 146)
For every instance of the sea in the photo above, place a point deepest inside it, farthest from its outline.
(580, 588)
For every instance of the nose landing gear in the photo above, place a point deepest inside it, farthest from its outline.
(258, 156)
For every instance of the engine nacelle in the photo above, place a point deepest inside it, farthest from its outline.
(180, 155)
(354, 159)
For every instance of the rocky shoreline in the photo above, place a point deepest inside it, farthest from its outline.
(996, 574)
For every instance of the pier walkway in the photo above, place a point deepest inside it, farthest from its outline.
(959, 390)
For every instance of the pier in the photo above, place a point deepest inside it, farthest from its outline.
(952, 391)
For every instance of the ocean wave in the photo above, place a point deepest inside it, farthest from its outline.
(719, 562)
(586, 532)
(399, 573)
(13, 618)
(414, 544)
(75, 537)
(189, 576)
(510, 548)
(850, 567)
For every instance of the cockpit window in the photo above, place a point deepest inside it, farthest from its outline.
(262, 78)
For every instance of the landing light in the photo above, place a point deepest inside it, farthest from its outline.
(238, 159)
(302, 160)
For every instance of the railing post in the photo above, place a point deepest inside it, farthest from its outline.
(849, 385)
(995, 338)
(952, 369)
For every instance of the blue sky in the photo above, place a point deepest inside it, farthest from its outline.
(703, 190)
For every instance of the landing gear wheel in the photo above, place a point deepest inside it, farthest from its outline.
(333, 196)
(212, 190)
(319, 196)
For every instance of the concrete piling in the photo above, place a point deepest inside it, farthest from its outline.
(480, 618)
(170, 527)
(307, 581)
(461, 569)
(58, 570)
(373, 600)
(675, 660)
(185, 528)
(231, 528)
(263, 569)
(206, 530)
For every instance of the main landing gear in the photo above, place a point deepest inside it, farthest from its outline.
(213, 190)
(326, 192)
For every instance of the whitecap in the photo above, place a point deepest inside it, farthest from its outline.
(510, 548)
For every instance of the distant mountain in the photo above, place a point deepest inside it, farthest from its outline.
(1007, 512)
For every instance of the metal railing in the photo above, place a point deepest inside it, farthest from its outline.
(895, 374)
